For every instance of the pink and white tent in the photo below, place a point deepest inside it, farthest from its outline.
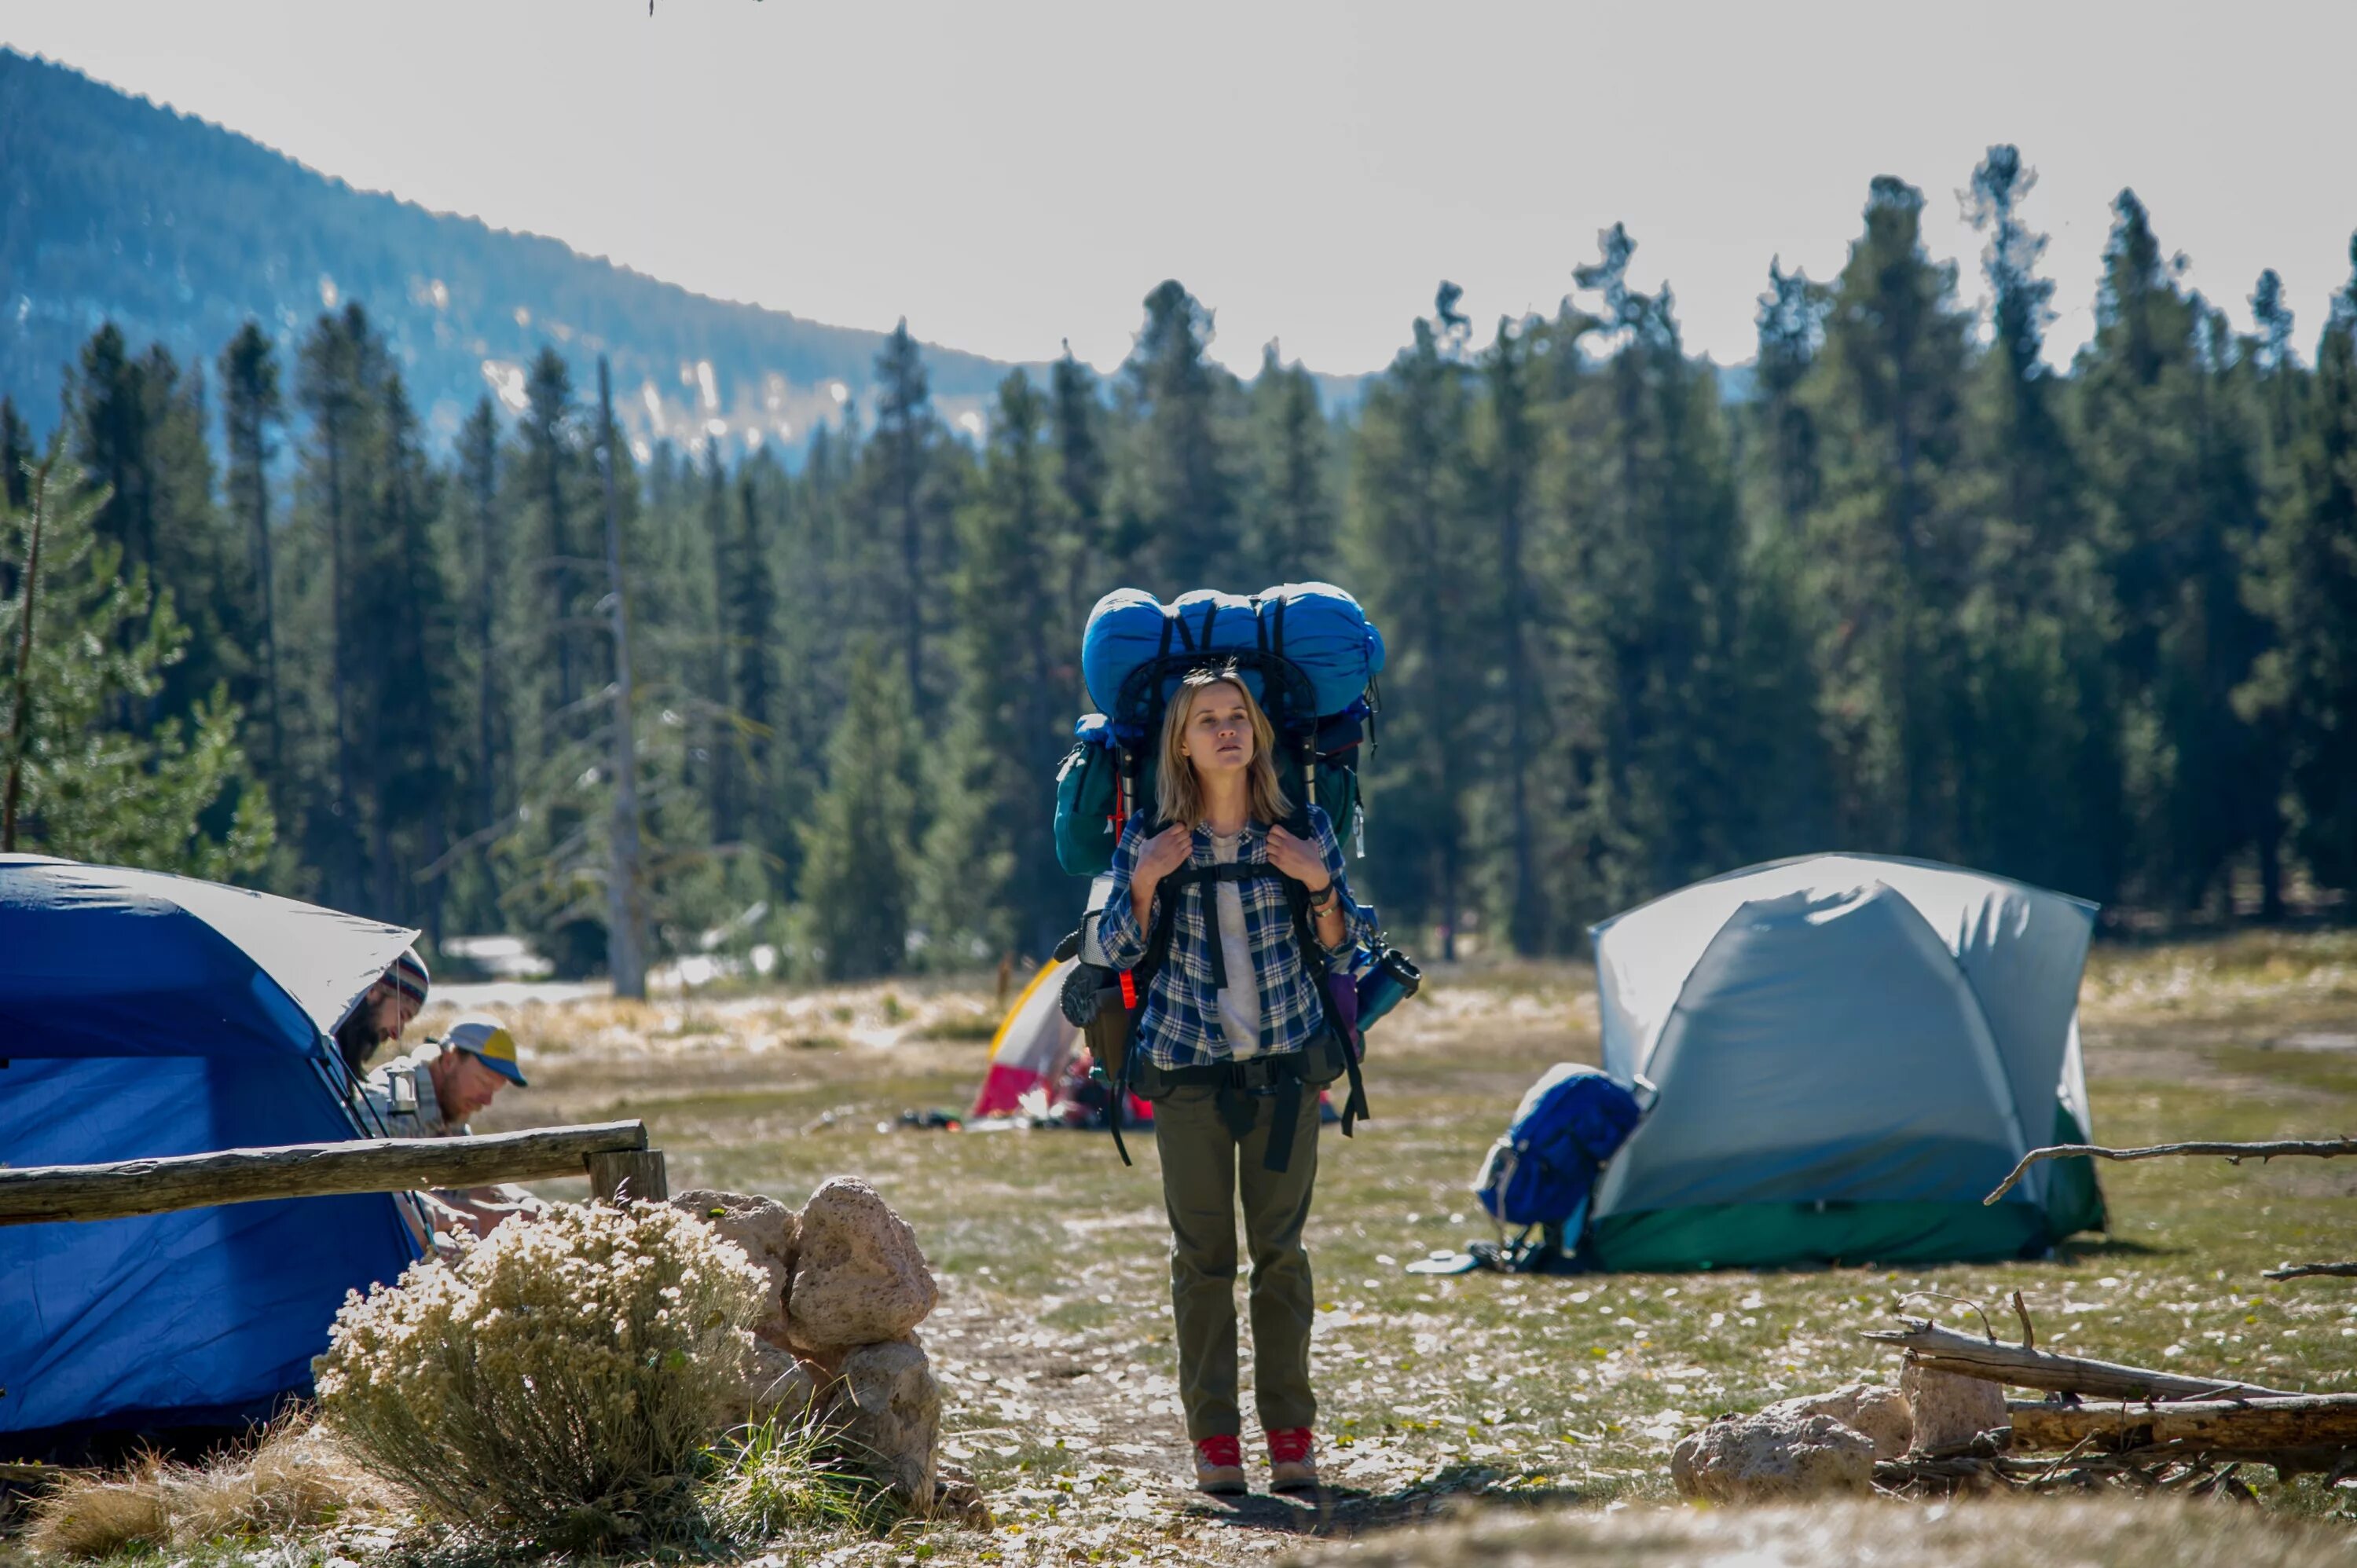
(1030, 1048)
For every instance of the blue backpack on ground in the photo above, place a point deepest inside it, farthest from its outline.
(1540, 1174)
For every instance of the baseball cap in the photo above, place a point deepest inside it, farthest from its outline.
(488, 1042)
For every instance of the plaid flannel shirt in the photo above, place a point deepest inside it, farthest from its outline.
(1180, 1024)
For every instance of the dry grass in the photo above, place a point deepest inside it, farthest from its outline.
(1988, 1533)
(296, 1479)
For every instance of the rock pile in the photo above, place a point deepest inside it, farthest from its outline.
(848, 1286)
(1829, 1442)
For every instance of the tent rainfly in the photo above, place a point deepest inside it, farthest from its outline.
(145, 1014)
(1849, 1053)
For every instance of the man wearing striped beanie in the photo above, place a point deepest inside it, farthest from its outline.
(398, 996)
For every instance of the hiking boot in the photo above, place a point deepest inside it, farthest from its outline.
(1219, 1467)
(1292, 1460)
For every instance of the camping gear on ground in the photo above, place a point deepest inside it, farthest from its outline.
(1851, 1051)
(143, 1014)
(1540, 1172)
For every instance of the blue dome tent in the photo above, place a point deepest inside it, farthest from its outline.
(145, 1015)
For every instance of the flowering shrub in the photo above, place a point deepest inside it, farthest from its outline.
(561, 1378)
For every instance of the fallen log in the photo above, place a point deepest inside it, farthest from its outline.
(40, 1193)
(2324, 1148)
(2312, 1272)
(1941, 1350)
(2241, 1425)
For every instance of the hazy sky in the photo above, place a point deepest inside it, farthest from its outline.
(1008, 176)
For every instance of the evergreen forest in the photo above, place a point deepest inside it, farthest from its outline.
(1915, 592)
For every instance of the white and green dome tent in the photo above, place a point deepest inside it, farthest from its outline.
(1849, 1053)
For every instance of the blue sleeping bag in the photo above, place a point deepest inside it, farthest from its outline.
(1317, 626)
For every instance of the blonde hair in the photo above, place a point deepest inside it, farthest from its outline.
(1178, 792)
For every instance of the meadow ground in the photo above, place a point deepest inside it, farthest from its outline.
(1053, 1345)
(1524, 1419)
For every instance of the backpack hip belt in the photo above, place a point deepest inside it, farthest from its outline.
(1279, 1079)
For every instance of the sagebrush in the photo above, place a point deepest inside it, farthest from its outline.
(561, 1378)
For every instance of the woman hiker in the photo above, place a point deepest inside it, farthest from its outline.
(1232, 1048)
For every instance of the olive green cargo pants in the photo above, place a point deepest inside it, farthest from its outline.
(1203, 1167)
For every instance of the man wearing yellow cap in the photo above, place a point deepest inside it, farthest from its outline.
(431, 1094)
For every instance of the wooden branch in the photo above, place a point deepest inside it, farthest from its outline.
(2236, 1153)
(41, 1193)
(2304, 1421)
(2312, 1272)
(1939, 1349)
(2193, 1471)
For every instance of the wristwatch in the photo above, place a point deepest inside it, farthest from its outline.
(1323, 896)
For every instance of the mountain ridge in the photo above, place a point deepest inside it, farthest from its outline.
(115, 207)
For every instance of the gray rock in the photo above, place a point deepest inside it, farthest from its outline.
(767, 1231)
(888, 1409)
(859, 1277)
(1950, 1410)
(1769, 1457)
(1882, 1414)
(776, 1384)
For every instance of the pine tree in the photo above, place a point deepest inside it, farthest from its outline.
(860, 867)
(751, 611)
(2280, 391)
(139, 428)
(1079, 437)
(1508, 459)
(724, 765)
(1426, 577)
(251, 408)
(990, 873)
(339, 364)
(2173, 496)
(2306, 585)
(406, 706)
(1891, 551)
(2036, 689)
(1176, 509)
(551, 480)
(909, 487)
(1289, 536)
(17, 455)
(16, 458)
(481, 536)
(177, 796)
(1655, 546)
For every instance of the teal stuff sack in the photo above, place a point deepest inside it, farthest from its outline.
(1088, 818)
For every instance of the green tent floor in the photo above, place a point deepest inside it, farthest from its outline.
(1772, 1235)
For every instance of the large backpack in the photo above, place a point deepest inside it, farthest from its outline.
(1299, 648)
(1539, 1174)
